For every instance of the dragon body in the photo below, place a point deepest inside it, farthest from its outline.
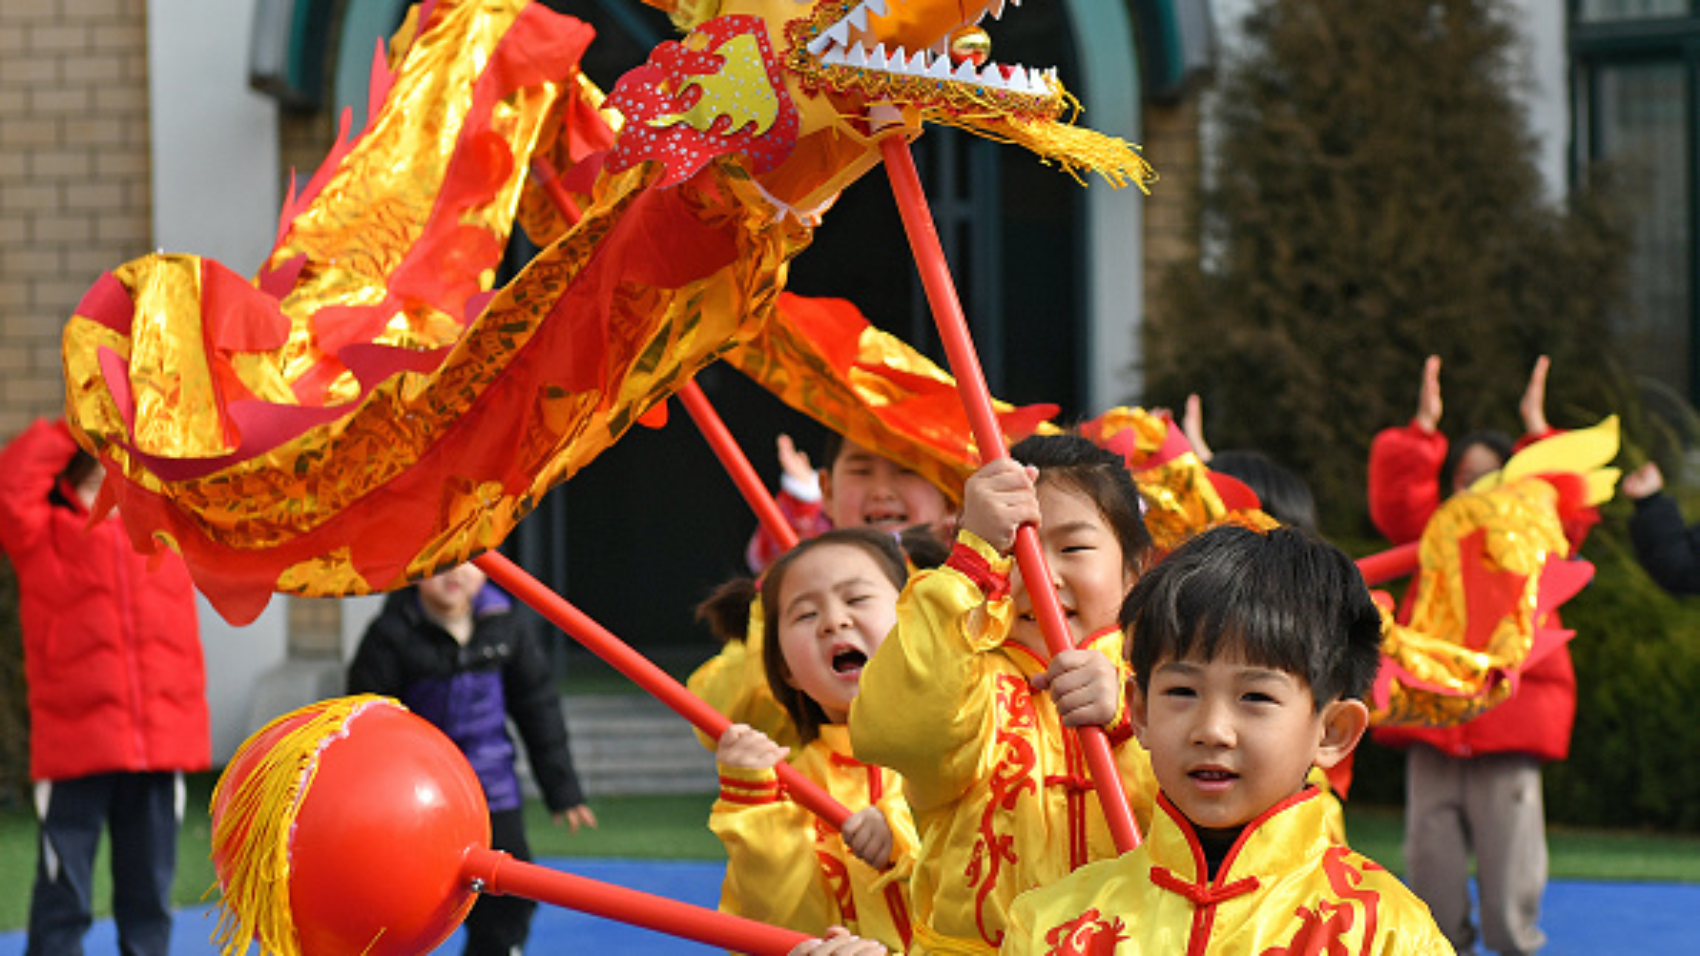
(369, 409)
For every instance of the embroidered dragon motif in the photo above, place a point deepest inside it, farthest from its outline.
(1089, 934)
(1014, 762)
(1324, 928)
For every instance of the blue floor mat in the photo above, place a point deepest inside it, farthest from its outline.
(1580, 918)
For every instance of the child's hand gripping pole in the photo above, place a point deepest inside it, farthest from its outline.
(977, 400)
(622, 658)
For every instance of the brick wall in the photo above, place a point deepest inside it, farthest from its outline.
(1172, 145)
(74, 188)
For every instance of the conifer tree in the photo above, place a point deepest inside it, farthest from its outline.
(1374, 199)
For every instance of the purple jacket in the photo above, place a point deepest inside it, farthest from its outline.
(469, 692)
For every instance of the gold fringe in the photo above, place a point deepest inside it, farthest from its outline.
(1074, 148)
(252, 834)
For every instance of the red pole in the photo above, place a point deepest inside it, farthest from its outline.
(737, 464)
(544, 172)
(658, 682)
(977, 400)
(495, 872)
(1384, 566)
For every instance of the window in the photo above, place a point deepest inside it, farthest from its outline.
(1636, 63)
(1601, 11)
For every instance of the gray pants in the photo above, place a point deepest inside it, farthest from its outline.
(1490, 804)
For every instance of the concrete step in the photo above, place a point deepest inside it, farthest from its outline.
(633, 744)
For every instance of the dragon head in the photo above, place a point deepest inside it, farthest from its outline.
(836, 65)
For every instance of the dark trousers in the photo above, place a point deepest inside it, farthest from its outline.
(142, 811)
(499, 925)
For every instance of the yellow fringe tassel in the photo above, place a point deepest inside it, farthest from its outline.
(1074, 148)
(252, 835)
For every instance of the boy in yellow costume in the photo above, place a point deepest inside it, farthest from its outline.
(1253, 652)
(834, 599)
(965, 702)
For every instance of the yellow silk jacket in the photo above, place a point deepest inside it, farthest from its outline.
(786, 868)
(1284, 887)
(1001, 792)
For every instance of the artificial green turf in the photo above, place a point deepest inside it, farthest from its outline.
(674, 827)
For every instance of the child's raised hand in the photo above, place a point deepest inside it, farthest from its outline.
(1533, 406)
(1084, 686)
(839, 942)
(998, 499)
(868, 835)
(1642, 482)
(793, 462)
(747, 748)
(1428, 397)
(1192, 426)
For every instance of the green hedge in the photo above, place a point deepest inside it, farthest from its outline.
(1637, 652)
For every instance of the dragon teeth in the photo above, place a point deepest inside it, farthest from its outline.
(922, 63)
(877, 7)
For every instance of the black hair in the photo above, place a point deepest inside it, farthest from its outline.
(726, 610)
(1284, 599)
(923, 547)
(830, 448)
(77, 469)
(1495, 441)
(1283, 495)
(1100, 475)
(882, 547)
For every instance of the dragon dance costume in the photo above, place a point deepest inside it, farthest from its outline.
(1284, 887)
(785, 867)
(1000, 790)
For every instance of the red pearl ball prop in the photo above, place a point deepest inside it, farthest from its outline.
(375, 857)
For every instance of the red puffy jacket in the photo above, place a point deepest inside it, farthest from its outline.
(1404, 492)
(112, 648)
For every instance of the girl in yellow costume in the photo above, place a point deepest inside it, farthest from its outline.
(1000, 789)
(834, 599)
